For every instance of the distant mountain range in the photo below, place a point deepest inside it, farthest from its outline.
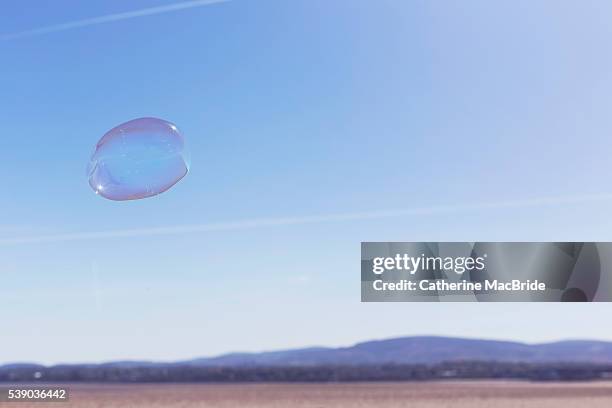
(422, 350)
(406, 350)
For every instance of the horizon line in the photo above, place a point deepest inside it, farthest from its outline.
(416, 336)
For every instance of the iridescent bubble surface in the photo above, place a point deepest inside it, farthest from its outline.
(138, 159)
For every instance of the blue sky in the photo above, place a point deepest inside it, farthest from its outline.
(293, 109)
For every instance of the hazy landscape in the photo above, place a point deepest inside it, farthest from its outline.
(398, 359)
(427, 372)
(379, 395)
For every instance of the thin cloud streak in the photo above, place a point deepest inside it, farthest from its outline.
(109, 18)
(313, 219)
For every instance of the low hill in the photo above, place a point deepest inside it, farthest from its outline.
(422, 350)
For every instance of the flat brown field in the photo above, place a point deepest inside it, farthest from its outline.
(379, 395)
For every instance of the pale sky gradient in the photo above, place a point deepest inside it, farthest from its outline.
(313, 125)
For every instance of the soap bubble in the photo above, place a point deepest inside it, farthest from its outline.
(138, 159)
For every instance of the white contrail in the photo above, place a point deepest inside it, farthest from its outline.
(271, 222)
(109, 18)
